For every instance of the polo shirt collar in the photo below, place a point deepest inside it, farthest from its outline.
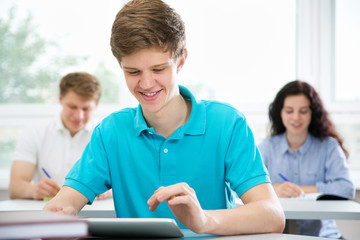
(197, 121)
(284, 145)
(194, 126)
(139, 121)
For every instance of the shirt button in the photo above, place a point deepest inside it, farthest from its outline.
(150, 132)
(165, 150)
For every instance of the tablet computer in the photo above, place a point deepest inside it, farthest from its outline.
(134, 227)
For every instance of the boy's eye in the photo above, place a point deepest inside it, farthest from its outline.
(133, 72)
(158, 69)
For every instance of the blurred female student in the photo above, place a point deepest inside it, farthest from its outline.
(304, 153)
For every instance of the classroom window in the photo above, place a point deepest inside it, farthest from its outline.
(235, 45)
(347, 50)
(240, 52)
(232, 46)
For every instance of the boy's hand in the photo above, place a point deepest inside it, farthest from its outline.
(66, 210)
(182, 200)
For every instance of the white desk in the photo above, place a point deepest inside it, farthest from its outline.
(325, 209)
(293, 208)
(99, 208)
(188, 235)
(299, 208)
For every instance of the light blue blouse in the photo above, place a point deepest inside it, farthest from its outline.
(317, 162)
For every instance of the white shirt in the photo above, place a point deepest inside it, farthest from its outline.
(50, 146)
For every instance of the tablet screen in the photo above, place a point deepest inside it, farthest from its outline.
(134, 227)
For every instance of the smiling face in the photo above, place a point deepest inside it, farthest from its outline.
(77, 111)
(296, 115)
(150, 75)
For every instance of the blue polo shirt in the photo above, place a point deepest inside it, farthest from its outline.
(213, 152)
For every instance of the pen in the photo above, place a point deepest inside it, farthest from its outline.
(283, 177)
(46, 173)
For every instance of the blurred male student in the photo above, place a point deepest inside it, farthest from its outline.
(173, 156)
(46, 152)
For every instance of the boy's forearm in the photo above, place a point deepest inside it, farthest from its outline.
(261, 213)
(68, 201)
(256, 217)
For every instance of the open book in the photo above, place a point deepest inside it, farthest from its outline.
(40, 224)
(322, 196)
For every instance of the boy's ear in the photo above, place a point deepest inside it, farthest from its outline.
(181, 61)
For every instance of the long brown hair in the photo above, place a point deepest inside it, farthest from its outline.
(320, 125)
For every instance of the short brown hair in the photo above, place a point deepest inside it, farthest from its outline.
(142, 24)
(82, 83)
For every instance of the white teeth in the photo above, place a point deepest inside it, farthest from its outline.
(150, 94)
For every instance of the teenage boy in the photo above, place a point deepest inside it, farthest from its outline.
(46, 152)
(173, 156)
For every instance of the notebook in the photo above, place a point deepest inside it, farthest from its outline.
(322, 196)
(134, 227)
(40, 224)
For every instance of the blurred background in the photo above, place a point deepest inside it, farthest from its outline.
(240, 51)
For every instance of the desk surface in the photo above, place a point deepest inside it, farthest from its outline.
(325, 209)
(105, 208)
(293, 208)
(188, 235)
(99, 208)
(300, 208)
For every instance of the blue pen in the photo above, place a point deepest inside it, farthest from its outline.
(46, 173)
(283, 177)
